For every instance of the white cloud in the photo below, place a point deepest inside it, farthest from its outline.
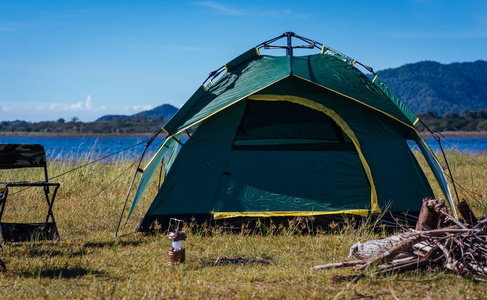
(6, 108)
(223, 9)
(89, 102)
(231, 11)
(76, 106)
(86, 105)
(138, 107)
(285, 13)
(86, 110)
(81, 106)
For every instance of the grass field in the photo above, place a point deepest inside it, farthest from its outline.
(89, 262)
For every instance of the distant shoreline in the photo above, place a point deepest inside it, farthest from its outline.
(38, 134)
(458, 134)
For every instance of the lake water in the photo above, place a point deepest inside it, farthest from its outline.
(132, 147)
(79, 147)
(465, 144)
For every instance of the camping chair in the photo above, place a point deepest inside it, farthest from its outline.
(16, 156)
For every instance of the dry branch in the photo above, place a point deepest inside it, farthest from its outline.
(376, 248)
(340, 265)
(457, 248)
(395, 250)
(466, 213)
(430, 216)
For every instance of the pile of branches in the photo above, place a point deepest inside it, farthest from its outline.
(461, 248)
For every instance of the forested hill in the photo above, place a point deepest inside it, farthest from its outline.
(431, 86)
(161, 113)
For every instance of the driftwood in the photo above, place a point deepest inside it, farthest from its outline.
(458, 248)
(466, 213)
(394, 251)
(430, 215)
(376, 248)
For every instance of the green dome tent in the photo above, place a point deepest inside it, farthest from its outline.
(284, 136)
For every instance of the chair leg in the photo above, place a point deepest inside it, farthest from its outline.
(50, 214)
(50, 204)
(3, 199)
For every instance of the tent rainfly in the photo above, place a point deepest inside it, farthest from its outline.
(285, 136)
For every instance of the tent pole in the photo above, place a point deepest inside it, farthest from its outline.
(133, 179)
(289, 49)
(160, 176)
(269, 41)
(438, 140)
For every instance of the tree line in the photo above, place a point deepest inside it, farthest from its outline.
(452, 121)
(125, 125)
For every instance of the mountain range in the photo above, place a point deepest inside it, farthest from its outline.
(164, 111)
(432, 86)
(423, 86)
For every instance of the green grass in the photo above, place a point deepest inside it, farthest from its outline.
(89, 262)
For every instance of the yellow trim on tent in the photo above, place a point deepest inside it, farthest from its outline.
(204, 87)
(263, 214)
(257, 51)
(322, 49)
(312, 104)
(343, 125)
(226, 68)
(164, 129)
(375, 77)
(354, 62)
(192, 124)
(416, 122)
(225, 107)
(158, 150)
(211, 82)
(374, 108)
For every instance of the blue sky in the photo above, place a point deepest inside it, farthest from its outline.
(61, 59)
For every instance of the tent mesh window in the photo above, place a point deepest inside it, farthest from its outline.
(280, 125)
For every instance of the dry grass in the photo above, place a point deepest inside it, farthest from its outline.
(89, 262)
